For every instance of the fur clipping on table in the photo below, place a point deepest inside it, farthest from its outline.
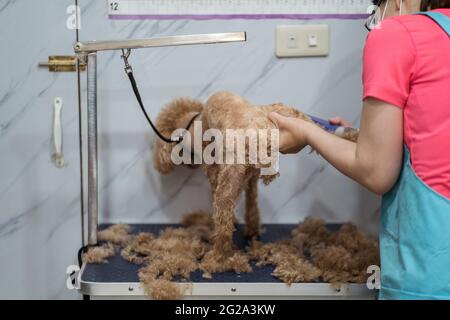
(99, 254)
(116, 234)
(161, 289)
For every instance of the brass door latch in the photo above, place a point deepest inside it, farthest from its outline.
(62, 64)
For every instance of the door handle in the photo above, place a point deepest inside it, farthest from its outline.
(57, 156)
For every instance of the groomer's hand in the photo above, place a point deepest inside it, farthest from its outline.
(292, 132)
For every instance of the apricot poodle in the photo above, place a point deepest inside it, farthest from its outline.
(222, 111)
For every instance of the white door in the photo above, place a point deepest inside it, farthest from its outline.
(40, 221)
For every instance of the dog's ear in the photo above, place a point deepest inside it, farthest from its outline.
(175, 115)
(161, 156)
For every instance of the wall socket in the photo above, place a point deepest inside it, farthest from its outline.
(302, 40)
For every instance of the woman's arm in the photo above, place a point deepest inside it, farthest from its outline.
(374, 161)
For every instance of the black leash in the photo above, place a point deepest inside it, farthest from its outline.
(81, 251)
(129, 71)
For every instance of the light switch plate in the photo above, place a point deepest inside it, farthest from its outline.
(302, 40)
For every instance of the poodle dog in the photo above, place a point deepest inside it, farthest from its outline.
(222, 111)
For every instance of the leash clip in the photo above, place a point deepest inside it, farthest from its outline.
(125, 55)
(177, 139)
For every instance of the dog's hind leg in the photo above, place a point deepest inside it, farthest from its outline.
(212, 172)
(229, 185)
(231, 180)
(252, 215)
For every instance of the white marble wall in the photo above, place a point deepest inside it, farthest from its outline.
(39, 204)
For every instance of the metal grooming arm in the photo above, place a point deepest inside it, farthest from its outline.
(87, 53)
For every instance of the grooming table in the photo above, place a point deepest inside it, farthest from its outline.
(118, 279)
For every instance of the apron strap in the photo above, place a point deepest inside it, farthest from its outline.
(441, 19)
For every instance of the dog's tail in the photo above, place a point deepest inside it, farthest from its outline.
(175, 115)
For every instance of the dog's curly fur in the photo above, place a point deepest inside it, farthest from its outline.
(223, 110)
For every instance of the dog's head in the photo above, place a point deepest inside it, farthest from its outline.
(175, 115)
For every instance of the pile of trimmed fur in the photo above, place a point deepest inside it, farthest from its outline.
(314, 253)
(311, 254)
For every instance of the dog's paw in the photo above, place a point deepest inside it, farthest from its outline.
(252, 231)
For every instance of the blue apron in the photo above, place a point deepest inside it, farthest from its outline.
(415, 233)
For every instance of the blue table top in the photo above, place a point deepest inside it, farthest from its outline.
(119, 270)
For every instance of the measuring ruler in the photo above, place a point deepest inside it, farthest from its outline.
(236, 9)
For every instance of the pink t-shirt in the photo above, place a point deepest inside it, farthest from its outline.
(407, 64)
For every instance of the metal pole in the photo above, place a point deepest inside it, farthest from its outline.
(92, 147)
(192, 39)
